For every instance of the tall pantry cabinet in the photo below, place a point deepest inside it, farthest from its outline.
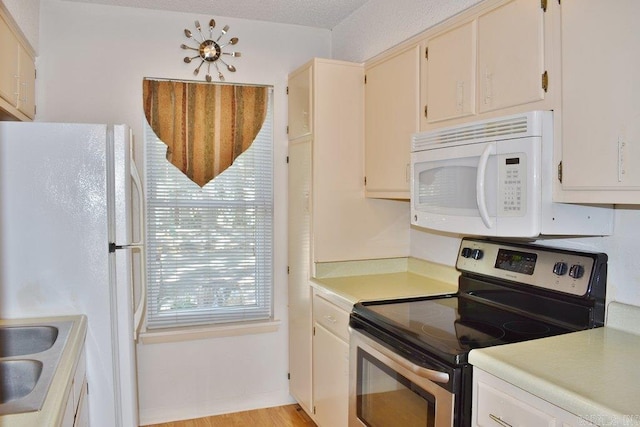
(330, 219)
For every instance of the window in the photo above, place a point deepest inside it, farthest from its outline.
(209, 249)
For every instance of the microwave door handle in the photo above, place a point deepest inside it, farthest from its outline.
(480, 185)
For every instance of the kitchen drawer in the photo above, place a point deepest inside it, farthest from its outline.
(335, 319)
(496, 408)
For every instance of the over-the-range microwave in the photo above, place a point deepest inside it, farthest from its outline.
(494, 178)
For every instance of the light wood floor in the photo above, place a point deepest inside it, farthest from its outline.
(281, 416)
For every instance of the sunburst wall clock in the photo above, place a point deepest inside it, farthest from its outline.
(210, 51)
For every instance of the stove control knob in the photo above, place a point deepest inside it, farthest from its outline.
(560, 268)
(576, 271)
(466, 252)
(477, 254)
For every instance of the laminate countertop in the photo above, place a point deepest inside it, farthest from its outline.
(594, 374)
(349, 282)
(54, 406)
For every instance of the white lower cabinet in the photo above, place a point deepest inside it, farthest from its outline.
(330, 363)
(77, 409)
(499, 403)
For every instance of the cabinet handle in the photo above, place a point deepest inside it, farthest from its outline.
(621, 169)
(24, 92)
(488, 86)
(459, 95)
(498, 420)
(331, 319)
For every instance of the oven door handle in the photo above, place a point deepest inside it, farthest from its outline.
(429, 374)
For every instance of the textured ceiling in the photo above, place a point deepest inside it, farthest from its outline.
(311, 13)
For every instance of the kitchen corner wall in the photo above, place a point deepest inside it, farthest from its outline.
(26, 14)
(91, 63)
(379, 25)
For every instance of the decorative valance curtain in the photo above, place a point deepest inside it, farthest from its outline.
(205, 126)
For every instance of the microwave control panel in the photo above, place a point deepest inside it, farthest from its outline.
(512, 185)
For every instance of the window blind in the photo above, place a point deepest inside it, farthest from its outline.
(210, 249)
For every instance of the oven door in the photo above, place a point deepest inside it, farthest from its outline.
(386, 390)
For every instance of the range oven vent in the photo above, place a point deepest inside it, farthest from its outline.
(500, 128)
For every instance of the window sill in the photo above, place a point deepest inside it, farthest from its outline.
(193, 333)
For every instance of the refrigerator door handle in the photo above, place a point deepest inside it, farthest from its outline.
(142, 304)
(137, 183)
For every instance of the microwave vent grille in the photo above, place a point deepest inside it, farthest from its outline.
(502, 128)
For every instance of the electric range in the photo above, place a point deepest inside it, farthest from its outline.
(508, 292)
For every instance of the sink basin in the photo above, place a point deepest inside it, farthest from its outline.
(21, 340)
(29, 357)
(19, 378)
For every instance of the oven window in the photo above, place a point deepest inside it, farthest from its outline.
(386, 398)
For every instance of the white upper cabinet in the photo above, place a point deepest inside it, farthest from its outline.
(17, 74)
(300, 103)
(450, 74)
(600, 101)
(511, 55)
(392, 104)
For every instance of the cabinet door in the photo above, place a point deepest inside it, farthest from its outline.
(300, 103)
(300, 323)
(330, 378)
(392, 112)
(27, 76)
(8, 63)
(450, 77)
(511, 55)
(600, 107)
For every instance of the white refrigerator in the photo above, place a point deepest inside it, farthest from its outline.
(67, 246)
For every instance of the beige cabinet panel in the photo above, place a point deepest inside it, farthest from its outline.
(26, 83)
(9, 46)
(392, 114)
(330, 378)
(300, 103)
(299, 291)
(451, 74)
(17, 74)
(600, 107)
(511, 55)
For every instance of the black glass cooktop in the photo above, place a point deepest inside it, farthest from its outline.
(448, 326)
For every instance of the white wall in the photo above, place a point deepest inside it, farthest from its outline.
(26, 14)
(381, 24)
(90, 69)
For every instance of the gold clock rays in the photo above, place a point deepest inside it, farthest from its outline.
(210, 51)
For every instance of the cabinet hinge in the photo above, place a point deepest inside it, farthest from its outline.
(426, 52)
(314, 331)
(287, 90)
(287, 129)
(560, 172)
(426, 111)
(365, 79)
(288, 268)
(288, 375)
(545, 81)
(543, 5)
(314, 410)
(365, 181)
(287, 159)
